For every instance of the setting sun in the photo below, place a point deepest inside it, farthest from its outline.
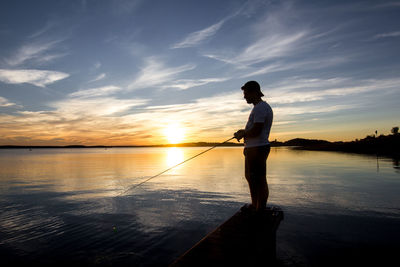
(174, 133)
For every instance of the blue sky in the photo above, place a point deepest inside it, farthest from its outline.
(121, 72)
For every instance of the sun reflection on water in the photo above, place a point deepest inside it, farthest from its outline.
(175, 156)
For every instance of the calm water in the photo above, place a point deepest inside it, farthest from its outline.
(77, 206)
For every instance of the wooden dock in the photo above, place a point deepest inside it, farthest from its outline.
(246, 239)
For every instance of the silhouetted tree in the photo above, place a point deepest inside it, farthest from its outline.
(395, 130)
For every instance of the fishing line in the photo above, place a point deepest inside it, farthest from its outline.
(158, 174)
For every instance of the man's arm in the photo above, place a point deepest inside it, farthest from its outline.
(252, 132)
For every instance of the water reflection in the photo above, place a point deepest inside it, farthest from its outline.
(396, 164)
(298, 178)
(174, 156)
(63, 200)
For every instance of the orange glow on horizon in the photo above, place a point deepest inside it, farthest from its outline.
(170, 133)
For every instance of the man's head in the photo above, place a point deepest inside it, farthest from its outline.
(252, 92)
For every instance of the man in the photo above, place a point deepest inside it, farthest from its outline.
(256, 143)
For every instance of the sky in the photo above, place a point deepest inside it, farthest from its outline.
(102, 72)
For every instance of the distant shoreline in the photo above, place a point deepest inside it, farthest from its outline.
(384, 145)
(197, 144)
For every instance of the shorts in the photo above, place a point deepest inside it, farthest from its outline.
(256, 161)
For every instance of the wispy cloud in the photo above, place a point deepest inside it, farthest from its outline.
(309, 90)
(37, 51)
(387, 34)
(98, 78)
(198, 37)
(5, 103)
(285, 111)
(39, 78)
(95, 106)
(301, 64)
(94, 92)
(272, 46)
(155, 73)
(184, 84)
(270, 38)
(51, 24)
(195, 38)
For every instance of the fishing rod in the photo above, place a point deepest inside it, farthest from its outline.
(158, 174)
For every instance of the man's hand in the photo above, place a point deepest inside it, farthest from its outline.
(239, 134)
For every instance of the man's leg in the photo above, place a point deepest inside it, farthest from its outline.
(260, 176)
(248, 175)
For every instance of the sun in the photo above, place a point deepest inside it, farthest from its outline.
(174, 133)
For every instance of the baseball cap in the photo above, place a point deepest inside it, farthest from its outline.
(252, 86)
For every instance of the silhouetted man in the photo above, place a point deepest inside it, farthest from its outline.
(256, 144)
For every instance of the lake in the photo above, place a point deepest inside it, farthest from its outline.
(80, 206)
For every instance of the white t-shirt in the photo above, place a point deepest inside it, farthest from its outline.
(261, 112)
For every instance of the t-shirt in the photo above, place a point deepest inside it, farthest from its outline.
(261, 112)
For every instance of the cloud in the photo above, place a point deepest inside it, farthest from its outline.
(388, 34)
(184, 84)
(5, 103)
(36, 51)
(111, 121)
(308, 90)
(219, 116)
(96, 106)
(155, 73)
(285, 111)
(96, 120)
(226, 109)
(51, 24)
(39, 78)
(284, 66)
(198, 37)
(44, 128)
(94, 92)
(315, 102)
(100, 121)
(204, 119)
(301, 64)
(271, 37)
(98, 78)
(274, 45)
(195, 38)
